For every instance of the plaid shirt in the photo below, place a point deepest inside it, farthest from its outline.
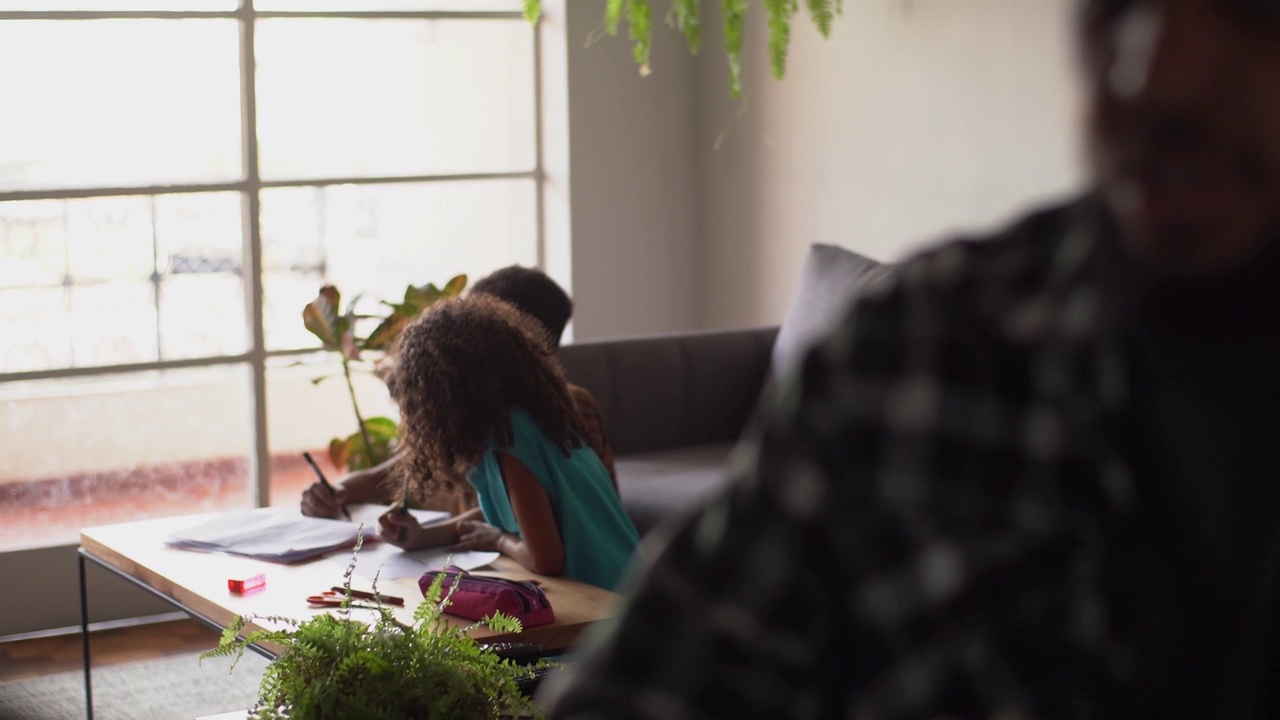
(918, 522)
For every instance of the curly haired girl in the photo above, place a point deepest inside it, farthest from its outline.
(482, 397)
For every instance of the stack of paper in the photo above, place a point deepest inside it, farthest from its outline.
(283, 535)
(273, 536)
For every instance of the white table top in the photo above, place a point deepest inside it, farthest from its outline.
(198, 582)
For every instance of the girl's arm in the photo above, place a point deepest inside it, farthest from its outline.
(416, 536)
(540, 549)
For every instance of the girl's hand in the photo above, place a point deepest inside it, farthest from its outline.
(319, 501)
(401, 529)
(474, 535)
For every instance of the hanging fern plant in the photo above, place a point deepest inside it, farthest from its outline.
(685, 17)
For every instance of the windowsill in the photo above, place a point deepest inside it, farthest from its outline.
(50, 512)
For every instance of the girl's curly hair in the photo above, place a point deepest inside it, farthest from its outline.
(460, 369)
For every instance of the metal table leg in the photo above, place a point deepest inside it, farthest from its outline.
(84, 640)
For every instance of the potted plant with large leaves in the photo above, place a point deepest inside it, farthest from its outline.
(374, 440)
(333, 666)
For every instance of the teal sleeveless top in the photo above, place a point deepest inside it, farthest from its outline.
(597, 535)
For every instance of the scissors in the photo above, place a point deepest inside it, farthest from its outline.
(336, 596)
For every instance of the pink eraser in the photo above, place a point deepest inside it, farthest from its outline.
(244, 585)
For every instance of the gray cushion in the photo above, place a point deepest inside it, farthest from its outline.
(831, 277)
(657, 485)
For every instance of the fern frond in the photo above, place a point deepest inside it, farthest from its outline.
(780, 13)
(532, 10)
(502, 622)
(612, 16)
(733, 15)
(823, 13)
(685, 16)
(640, 20)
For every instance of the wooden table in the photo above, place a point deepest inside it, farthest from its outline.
(196, 583)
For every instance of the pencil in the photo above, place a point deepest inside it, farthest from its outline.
(324, 481)
(388, 599)
(404, 507)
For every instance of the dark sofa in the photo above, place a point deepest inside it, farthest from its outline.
(674, 405)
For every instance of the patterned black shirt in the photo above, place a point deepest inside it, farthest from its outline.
(920, 521)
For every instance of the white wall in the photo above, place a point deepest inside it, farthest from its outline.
(634, 192)
(915, 119)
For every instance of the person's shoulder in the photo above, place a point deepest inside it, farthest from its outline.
(1010, 259)
(984, 274)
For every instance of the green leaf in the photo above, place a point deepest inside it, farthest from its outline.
(503, 623)
(685, 15)
(416, 300)
(733, 15)
(321, 315)
(420, 297)
(383, 434)
(823, 13)
(388, 331)
(339, 451)
(612, 16)
(780, 13)
(532, 10)
(640, 21)
(382, 428)
(455, 286)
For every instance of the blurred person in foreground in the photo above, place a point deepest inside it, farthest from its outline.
(1036, 475)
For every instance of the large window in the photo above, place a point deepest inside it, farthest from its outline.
(179, 177)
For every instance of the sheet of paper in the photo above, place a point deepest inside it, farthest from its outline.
(389, 562)
(274, 534)
(370, 512)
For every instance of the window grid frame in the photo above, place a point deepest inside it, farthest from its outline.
(250, 188)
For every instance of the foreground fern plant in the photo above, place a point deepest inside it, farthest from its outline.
(686, 17)
(334, 667)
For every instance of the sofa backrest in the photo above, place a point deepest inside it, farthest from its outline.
(670, 391)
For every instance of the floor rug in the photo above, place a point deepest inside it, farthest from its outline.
(174, 688)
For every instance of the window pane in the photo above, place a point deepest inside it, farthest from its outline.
(37, 329)
(107, 103)
(379, 98)
(107, 5)
(202, 316)
(78, 280)
(110, 239)
(33, 243)
(201, 251)
(113, 323)
(126, 447)
(302, 415)
(376, 239)
(371, 5)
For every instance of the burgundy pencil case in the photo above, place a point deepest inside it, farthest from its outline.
(478, 596)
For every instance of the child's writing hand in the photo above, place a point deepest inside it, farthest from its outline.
(402, 530)
(320, 501)
(474, 535)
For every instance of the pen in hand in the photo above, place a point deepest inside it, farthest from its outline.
(404, 509)
(325, 482)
